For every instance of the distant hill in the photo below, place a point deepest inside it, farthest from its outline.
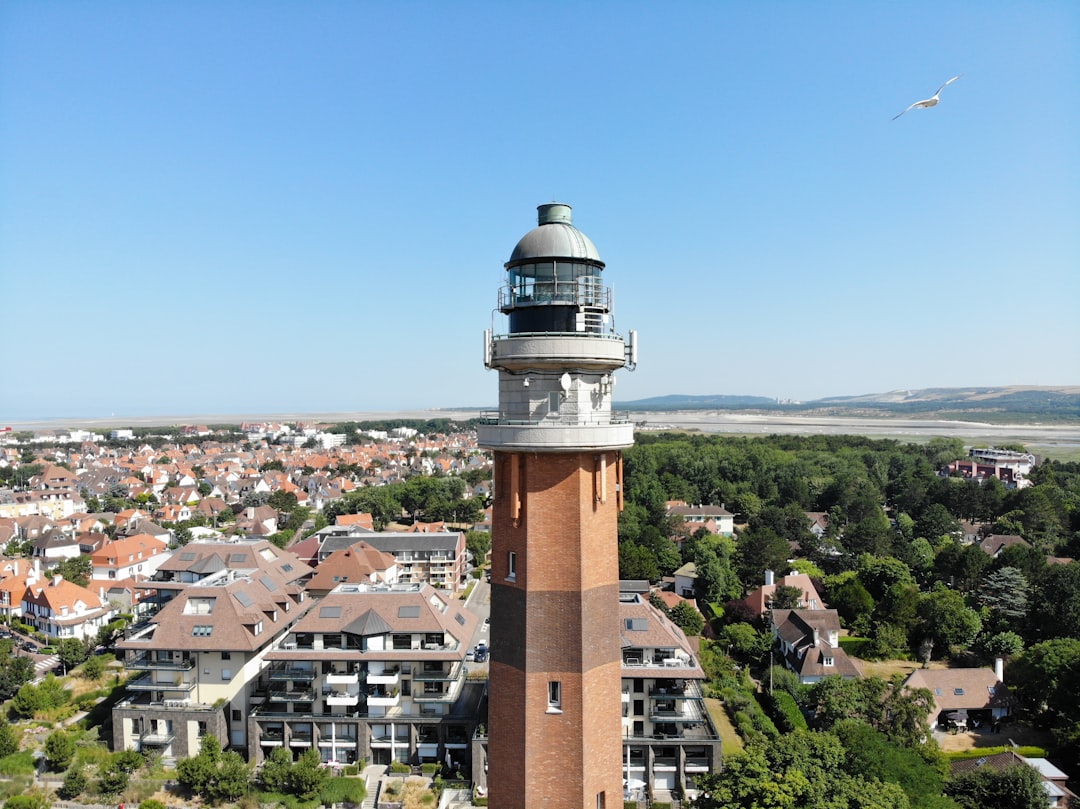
(1010, 403)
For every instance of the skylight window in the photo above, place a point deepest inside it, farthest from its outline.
(329, 612)
(408, 611)
(202, 630)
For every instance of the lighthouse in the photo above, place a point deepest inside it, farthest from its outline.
(554, 707)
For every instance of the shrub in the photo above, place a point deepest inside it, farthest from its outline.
(74, 784)
(399, 767)
(17, 764)
(342, 790)
(152, 803)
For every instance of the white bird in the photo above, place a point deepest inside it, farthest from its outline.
(929, 102)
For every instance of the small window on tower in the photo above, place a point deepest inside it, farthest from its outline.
(511, 566)
(554, 696)
(554, 400)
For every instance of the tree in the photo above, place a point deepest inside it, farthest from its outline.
(1046, 677)
(59, 750)
(786, 597)
(72, 652)
(1015, 787)
(1004, 593)
(1055, 611)
(307, 776)
(947, 620)
(851, 600)
(274, 774)
(282, 501)
(760, 550)
(232, 777)
(93, 668)
(76, 570)
(687, 618)
(9, 740)
(637, 562)
(478, 543)
(74, 784)
(111, 779)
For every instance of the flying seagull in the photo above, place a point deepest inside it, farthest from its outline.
(929, 102)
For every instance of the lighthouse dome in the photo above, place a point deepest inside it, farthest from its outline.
(554, 237)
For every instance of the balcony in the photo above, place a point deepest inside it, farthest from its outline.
(384, 699)
(342, 679)
(147, 683)
(282, 673)
(272, 738)
(156, 738)
(148, 662)
(435, 696)
(438, 675)
(297, 695)
(341, 698)
(301, 740)
(390, 677)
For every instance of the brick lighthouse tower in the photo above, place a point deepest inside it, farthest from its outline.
(554, 708)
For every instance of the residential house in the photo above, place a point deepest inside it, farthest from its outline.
(62, 609)
(759, 601)
(808, 642)
(1055, 782)
(996, 543)
(714, 519)
(686, 580)
(373, 672)
(964, 696)
(135, 557)
(200, 658)
(16, 576)
(56, 544)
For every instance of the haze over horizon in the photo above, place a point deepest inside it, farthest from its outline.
(242, 208)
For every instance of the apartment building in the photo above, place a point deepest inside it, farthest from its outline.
(437, 558)
(197, 660)
(374, 672)
(668, 736)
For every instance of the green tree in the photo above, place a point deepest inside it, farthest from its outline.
(74, 784)
(1016, 787)
(851, 600)
(1046, 678)
(93, 668)
(9, 740)
(76, 570)
(274, 773)
(307, 776)
(947, 620)
(72, 652)
(282, 501)
(637, 562)
(231, 778)
(1055, 610)
(59, 750)
(786, 597)
(687, 618)
(478, 543)
(111, 779)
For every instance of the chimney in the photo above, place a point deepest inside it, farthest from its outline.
(999, 669)
(56, 580)
(768, 578)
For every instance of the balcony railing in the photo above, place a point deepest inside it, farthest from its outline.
(297, 695)
(147, 683)
(147, 662)
(157, 738)
(292, 673)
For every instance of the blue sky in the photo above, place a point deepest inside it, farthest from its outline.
(240, 207)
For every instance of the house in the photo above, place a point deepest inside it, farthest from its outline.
(134, 557)
(996, 543)
(365, 520)
(808, 642)
(372, 672)
(62, 609)
(16, 576)
(975, 695)
(198, 660)
(359, 564)
(668, 737)
(56, 544)
(759, 600)
(686, 580)
(819, 522)
(714, 519)
(1055, 782)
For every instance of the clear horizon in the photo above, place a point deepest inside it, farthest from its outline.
(242, 208)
